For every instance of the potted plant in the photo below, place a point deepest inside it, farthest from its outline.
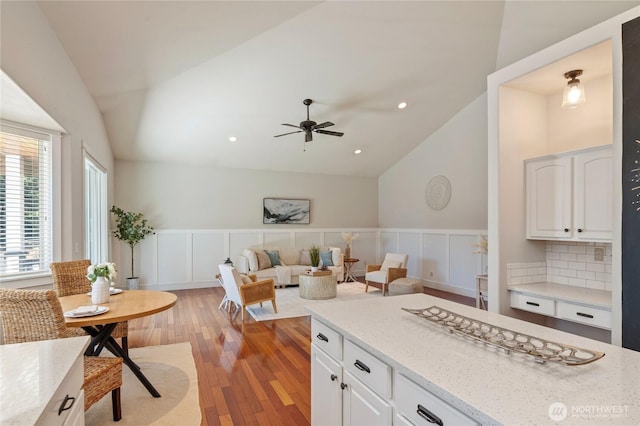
(130, 228)
(314, 256)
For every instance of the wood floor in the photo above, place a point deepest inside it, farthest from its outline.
(256, 373)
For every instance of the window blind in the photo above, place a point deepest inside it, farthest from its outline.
(25, 203)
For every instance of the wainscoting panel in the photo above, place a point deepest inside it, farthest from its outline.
(180, 259)
(208, 253)
(435, 258)
(174, 257)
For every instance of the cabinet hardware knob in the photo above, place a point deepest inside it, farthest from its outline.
(322, 337)
(362, 366)
(343, 386)
(334, 377)
(429, 416)
(566, 229)
(579, 229)
(63, 405)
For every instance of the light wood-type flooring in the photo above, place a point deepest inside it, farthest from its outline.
(256, 373)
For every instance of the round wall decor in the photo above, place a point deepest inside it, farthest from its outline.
(438, 192)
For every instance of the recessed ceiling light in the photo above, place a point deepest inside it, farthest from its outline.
(357, 151)
(402, 105)
(233, 138)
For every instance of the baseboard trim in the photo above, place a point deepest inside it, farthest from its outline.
(181, 286)
(449, 288)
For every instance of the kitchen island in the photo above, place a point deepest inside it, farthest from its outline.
(484, 384)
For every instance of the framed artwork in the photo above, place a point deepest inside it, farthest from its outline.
(288, 211)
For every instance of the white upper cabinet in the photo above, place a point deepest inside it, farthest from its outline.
(569, 196)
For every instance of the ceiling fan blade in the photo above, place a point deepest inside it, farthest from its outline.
(321, 125)
(291, 125)
(329, 132)
(308, 137)
(285, 134)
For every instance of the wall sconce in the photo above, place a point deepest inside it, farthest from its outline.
(574, 91)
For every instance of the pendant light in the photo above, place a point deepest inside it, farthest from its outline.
(574, 91)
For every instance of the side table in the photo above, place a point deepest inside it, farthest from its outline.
(317, 287)
(348, 264)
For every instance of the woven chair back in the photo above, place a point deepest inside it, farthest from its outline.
(70, 277)
(31, 315)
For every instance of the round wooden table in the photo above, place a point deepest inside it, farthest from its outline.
(129, 304)
(348, 264)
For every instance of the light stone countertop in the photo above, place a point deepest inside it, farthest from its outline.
(569, 293)
(30, 373)
(484, 382)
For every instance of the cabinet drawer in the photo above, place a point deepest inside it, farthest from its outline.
(369, 369)
(327, 339)
(69, 388)
(422, 407)
(585, 315)
(535, 304)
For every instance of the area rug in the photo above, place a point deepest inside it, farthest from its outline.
(291, 305)
(172, 371)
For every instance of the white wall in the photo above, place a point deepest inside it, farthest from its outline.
(174, 196)
(36, 61)
(458, 150)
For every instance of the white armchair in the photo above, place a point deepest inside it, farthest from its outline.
(246, 292)
(393, 267)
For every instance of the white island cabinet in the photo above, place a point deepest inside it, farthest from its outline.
(41, 382)
(421, 374)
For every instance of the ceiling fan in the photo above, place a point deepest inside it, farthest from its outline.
(308, 126)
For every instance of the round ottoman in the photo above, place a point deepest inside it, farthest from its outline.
(405, 286)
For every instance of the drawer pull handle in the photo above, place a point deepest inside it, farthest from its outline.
(566, 229)
(579, 229)
(429, 416)
(362, 366)
(584, 315)
(334, 377)
(63, 406)
(323, 337)
(533, 304)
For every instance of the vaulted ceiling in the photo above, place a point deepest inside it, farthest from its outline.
(174, 80)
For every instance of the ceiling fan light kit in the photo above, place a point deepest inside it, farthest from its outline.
(309, 126)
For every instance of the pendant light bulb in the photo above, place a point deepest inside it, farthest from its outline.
(574, 91)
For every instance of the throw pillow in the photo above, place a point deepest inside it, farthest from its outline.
(245, 279)
(335, 255)
(274, 257)
(325, 258)
(252, 258)
(305, 258)
(390, 264)
(263, 260)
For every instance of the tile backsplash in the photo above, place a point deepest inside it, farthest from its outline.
(569, 263)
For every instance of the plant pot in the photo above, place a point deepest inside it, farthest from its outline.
(132, 283)
(314, 269)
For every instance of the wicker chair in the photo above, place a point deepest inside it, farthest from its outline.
(71, 278)
(246, 293)
(393, 267)
(32, 315)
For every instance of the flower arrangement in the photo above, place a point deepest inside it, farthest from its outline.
(482, 245)
(348, 237)
(107, 270)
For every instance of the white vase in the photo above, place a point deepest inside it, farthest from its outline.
(100, 291)
(314, 269)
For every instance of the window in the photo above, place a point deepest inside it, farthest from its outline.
(95, 211)
(26, 246)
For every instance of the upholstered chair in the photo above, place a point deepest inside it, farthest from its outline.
(71, 278)
(393, 267)
(33, 315)
(243, 291)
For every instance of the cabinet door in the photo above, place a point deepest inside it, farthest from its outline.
(361, 406)
(549, 198)
(593, 187)
(326, 398)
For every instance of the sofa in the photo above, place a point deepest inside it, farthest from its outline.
(284, 265)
